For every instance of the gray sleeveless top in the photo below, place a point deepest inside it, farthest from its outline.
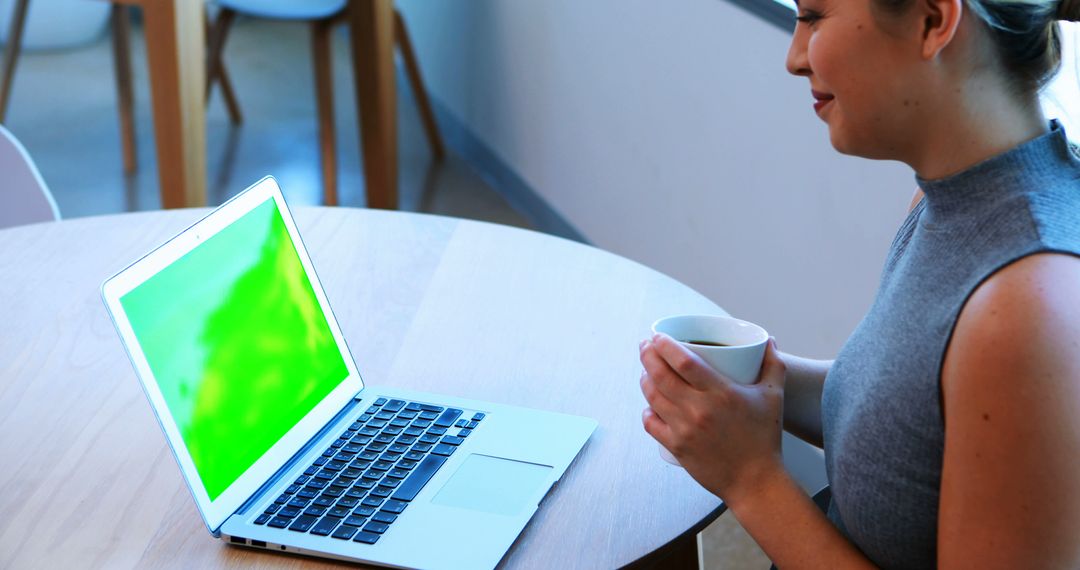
(881, 409)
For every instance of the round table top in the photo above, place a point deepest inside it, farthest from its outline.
(426, 303)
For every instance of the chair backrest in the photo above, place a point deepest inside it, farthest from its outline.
(24, 198)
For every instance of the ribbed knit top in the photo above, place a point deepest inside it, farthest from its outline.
(882, 413)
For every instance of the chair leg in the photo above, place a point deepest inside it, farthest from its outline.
(11, 53)
(412, 69)
(324, 96)
(215, 67)
(121, 33)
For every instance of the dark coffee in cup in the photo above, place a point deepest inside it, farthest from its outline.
(705, 343)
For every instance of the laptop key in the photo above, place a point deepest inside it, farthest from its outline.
(363, 511)
(443, 449)
(407, 415)
(284, 498)
(273, 508)
(307, 493)
(472, 424)
(335, 465)
(430, 408)
(356, 520)
(320, 461)
(356, 493)
(289, 512)
(374, 409)
(394, 405)
(464, 433)
(364, 484)
(384, 517)
(368, 432)
(478, 416)
(366, 537)
(334, 492)
(339, 512)
(437, 431)
(311, 470)
(279, 522)
(448, 418)
(384, 415)
(407, 464)
(324, 501)
(325, 526)
(393, 506)
(414, 432)
(314, 511)
(422, 447)
(413, 407)
(429, 438)
(451, 440)
(348, 501)
(298, 503)
(303, 524)
(396, 474)
(381, 492)
(373, 502)
(262, 518)
(345, 532)
(376, 527)
(420, 476)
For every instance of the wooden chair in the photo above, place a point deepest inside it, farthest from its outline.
(323, 15)
(121, 31)
(24, 197)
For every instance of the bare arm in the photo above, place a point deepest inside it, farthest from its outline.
(1010, 490)
(802, 396)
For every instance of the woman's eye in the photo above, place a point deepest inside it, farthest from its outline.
(808, 17)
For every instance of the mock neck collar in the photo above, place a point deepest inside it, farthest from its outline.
(1021, 169)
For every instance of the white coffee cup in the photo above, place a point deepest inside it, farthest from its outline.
(732, 347)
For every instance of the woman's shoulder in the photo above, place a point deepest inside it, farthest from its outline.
(1026, 309)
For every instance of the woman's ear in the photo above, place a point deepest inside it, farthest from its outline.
(940, 21)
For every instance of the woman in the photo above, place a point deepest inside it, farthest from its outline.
(951, 417)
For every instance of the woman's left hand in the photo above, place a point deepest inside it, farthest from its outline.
(726, 435)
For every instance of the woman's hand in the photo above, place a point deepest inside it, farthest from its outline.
(726, 435)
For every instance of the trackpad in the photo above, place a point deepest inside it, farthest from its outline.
(493, 485)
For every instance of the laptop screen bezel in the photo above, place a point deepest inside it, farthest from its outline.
(215, 512)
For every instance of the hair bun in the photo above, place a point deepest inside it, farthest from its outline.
(1069, 10)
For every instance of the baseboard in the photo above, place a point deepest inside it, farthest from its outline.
(501, 177)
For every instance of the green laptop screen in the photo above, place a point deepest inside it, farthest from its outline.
(237, 343)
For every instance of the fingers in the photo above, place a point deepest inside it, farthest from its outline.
(659, 403)
(685, 363)
(656, 427)
(665, 379)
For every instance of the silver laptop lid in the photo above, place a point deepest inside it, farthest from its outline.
(234, 342)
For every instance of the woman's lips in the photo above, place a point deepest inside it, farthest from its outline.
(821, 100)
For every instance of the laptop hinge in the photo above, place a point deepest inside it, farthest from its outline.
(291, 463)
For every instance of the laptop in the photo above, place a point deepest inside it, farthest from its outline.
(282, 444)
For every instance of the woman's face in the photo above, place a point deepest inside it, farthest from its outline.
(863, 74)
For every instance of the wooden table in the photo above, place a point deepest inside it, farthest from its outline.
(176, 54)
(425, 302)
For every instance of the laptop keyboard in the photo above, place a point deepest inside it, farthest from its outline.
(357, 488)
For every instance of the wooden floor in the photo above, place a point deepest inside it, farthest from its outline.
(63, 109)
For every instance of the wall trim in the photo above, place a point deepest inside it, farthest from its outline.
(771, 11)
(501, 177)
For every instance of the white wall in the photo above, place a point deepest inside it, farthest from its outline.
(670, 133)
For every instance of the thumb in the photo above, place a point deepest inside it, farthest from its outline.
(773, 370)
